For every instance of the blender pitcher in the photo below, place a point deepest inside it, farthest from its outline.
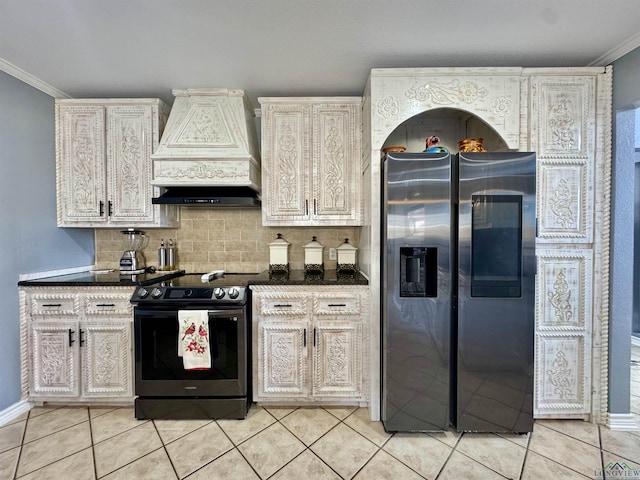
(132, 259)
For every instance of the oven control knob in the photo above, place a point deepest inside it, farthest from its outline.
(143, 293)
(188, 292)
(218, 292)
(156, 293)
(233, 293)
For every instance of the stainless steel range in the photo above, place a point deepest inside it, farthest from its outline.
(192, 347)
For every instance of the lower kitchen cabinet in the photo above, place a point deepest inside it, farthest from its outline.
(79, 344)
(310, 345)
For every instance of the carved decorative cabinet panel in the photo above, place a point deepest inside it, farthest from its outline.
(337, 362)
(282, 359)
(79, 344)
(107, 360)
(309, 349)
(311, 157)
(103, 164)
(54, 359)
(563, 331)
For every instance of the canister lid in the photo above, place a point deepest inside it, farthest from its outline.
(314, 244)
(279, 241)
(346, 246)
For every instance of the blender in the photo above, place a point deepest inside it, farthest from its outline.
(132, 260)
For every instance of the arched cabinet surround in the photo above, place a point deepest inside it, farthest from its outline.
(493, 95)
(450, 126)
(564, 115)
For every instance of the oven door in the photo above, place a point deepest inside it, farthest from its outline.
(159, 371)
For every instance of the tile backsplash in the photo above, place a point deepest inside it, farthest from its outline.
(231, 239)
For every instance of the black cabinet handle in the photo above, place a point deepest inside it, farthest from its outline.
(101, 207)
(314, 337)
(71, 340)
(304, 338)
(110, 210)
(337, 304)
(283, 305)
(81, 339)
(105, 305)
(306, 207)
(51, 304)
(315, 206)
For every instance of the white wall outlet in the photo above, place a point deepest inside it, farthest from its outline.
(333, 254)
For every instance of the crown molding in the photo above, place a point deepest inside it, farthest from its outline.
(29, 79)
(617, 52)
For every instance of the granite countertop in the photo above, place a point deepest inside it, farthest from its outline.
(101, 278)
(299, 277)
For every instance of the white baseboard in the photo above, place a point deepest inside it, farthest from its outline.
(622, 421)
(14, 411)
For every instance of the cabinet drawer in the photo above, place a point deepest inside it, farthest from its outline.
(283, 305)
(327, 304)
(54, 304)
(97, 305)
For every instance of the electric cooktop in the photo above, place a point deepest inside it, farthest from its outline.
(212, 288)
(211, 279)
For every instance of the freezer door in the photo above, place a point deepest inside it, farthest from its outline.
(496, 291)
(416, 289)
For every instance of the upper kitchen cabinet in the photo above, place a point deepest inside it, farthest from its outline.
(311, 156)
(103, 165)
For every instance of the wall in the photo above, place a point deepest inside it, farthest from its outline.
(29, 239)
(626, 95)
(231, 239)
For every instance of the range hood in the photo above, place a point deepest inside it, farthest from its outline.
(209, 145)
(209, 197)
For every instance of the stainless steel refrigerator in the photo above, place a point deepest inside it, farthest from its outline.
(458, 289)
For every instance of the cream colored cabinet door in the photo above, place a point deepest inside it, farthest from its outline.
(311, 149)
(128, 164)
(107, 359)
(103, 163)
(80, 158)
(337, 358)
(336, 155)
(54, 359)
(286, 164)
(282, 359)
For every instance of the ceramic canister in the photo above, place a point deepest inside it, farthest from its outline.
(313, 256)
(279, 255)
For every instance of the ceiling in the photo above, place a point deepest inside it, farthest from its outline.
(138, 48)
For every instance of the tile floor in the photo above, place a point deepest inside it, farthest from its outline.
(305, 443)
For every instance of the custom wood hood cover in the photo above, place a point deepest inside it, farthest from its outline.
(210, 140)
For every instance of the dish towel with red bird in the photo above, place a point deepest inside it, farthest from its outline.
(193, 339)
